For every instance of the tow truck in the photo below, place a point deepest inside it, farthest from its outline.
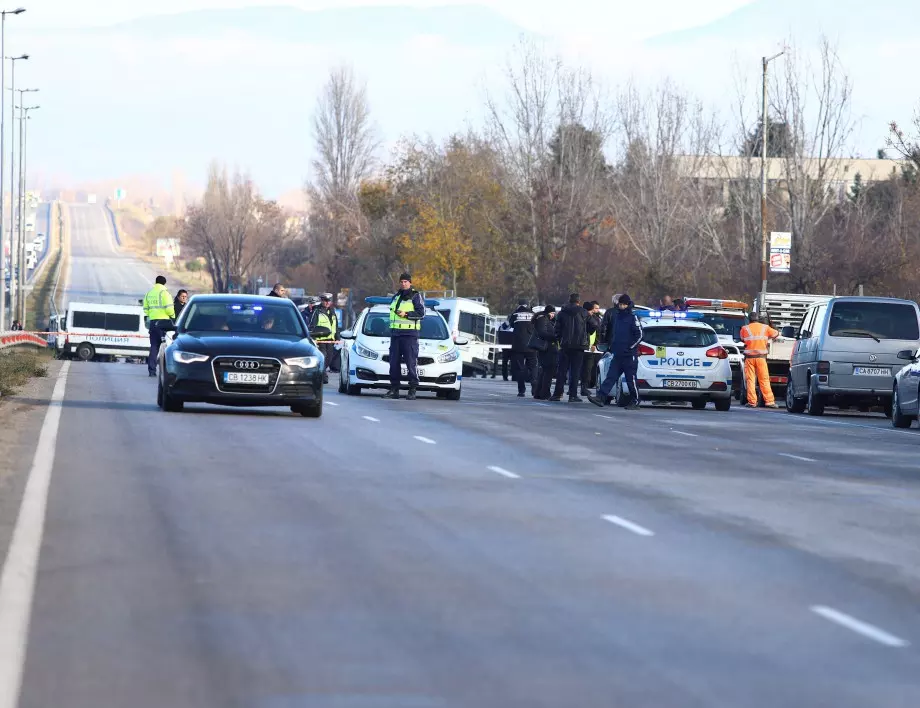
(726, 317)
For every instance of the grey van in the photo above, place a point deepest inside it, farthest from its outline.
(846, 352)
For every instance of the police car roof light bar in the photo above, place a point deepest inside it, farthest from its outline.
(715, 304)
(381, 300)
(668, 315)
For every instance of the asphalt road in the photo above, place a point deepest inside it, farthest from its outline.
(489, 552)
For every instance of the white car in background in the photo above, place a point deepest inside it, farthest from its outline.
(366, 353)
(680, 359)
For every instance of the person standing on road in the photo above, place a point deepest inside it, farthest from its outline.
(160, 313)
(407, 309)
(757, 337)
(179, 302)
(544, 328)
(324, 316)
(624, 335)
(505, 337)
(278, 291)
(524, 359)
(572, 333)
(589, 368)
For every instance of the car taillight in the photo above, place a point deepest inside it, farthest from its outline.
(824, 367)
(646, 350)
(717, 353)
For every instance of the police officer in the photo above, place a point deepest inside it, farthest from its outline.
(159, 311)
(407, 309)
(589, 367)
(524, 359)
(625, 333)
(324, 316)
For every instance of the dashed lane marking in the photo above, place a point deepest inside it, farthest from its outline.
(504, 473)
(371, 418)
(860, 627)
(686, 434)
(628, 525)
(427, 441)
(607, 417)
(796, 457)
(330, 403)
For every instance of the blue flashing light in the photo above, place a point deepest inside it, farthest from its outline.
(236, 307)
(432, 303)
(257, 308)
(377, 300)
(668, 315)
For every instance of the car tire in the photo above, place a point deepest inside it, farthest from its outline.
(353, 390)
(698, 405)
(312, 411)
(898, 419)
(343, 382)
(453, 394)
(170, 404)
(160, 394)
(723, 404)
(793, 404)
(85, 352)
(814, 405)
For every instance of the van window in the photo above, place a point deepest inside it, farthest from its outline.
(89, 320)
(816, 326)
(472, 324)
(881, 320)
(122, 323)
(678, 337)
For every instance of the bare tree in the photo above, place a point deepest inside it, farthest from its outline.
(908, 146)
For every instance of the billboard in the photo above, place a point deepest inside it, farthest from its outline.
(780, 251)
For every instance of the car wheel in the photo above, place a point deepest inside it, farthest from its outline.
(453, 395)
(170, 404)
(312, 411)
(793, 404)
(698, 405)
(815, 405)
(723, 404)
(353, 390)
(343, 382)
(85, 352)
(160, 394)
(898, 419)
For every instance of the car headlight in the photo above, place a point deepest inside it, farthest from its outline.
(303, 362)
(450, 356)
(188, 357)
(365, 352)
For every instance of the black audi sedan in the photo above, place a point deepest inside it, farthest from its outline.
(242, 350)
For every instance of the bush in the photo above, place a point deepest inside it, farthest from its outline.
(193, 266)
(17, 366)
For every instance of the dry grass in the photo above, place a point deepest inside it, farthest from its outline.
(18, 365)
(38, 307)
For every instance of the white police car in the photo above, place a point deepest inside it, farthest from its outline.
(680, 359)
(366, 353)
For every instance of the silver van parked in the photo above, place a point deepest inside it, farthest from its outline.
(846, 352)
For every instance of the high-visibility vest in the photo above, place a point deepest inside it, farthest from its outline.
(756, 337)
(329, 321)
(399, 308)
(158, 305)
(592, 339)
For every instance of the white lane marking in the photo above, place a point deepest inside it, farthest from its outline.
(608, 417)
(330, 403)
(543, 405)
(628, 525)
(494, 395)
(796, 457)
(17, 581)
(504, 473)
(860, 627)
(681, 432)
(371, 418)
(427, 441)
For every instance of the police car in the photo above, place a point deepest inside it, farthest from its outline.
(366, 353)
(680, 359)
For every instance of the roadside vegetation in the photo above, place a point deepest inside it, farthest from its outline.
(18, 365)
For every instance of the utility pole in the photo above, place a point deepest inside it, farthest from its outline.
(3, 272)
(14, 262)
(763, 183)
(23, 132)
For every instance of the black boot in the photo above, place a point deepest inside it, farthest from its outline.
(411, 395)
(392, 393)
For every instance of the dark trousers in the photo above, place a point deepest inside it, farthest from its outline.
(524, 368)
(156, 339)
(403, 350)
(570, 362)
(328, 350)
(589, 370)
(548, 361)
(622, 364)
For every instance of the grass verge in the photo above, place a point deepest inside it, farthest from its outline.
(18, 365)
(38, 301)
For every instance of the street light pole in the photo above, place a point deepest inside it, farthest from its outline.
(3, 325)
(14, 263)
(23, 153)
(763, 184)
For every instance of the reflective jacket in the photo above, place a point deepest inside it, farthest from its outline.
(756, 337)
(325, 317)
(404, 303)
(158, 305)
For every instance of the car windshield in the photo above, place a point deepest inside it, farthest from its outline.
(678, 337)
(726, 324)
(278, 320)
(877, 320)
(377, 324)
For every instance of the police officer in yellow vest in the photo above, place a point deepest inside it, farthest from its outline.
(324, 316)
(160, 312)
(407, 309)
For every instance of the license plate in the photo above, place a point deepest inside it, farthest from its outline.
(233, 377)
(870, 371)
(405, 371)
(679, 383)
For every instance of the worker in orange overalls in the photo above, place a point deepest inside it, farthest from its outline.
(757, 337)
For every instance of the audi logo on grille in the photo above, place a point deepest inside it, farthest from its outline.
(246, 364)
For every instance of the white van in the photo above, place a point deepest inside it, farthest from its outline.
(93, 331)
(470, 319)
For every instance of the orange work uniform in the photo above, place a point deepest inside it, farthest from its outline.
(756, 337)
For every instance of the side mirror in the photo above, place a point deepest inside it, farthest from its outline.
(906, 354)
(461, 342)
(787, 332)
(320, 332)
(346, 334)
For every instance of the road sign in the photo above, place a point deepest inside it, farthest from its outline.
(780, 251)
(120, 194)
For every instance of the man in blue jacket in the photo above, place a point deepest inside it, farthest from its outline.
(624, 335)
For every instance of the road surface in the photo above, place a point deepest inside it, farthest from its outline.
(489, 552)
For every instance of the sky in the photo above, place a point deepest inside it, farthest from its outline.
(118, 104)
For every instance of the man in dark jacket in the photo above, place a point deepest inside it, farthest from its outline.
(278, 291)
(544, 328)
(589, 368)
(407, 310)
(624, 335)
(524, 359)
(505, 338)
(572, 333)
